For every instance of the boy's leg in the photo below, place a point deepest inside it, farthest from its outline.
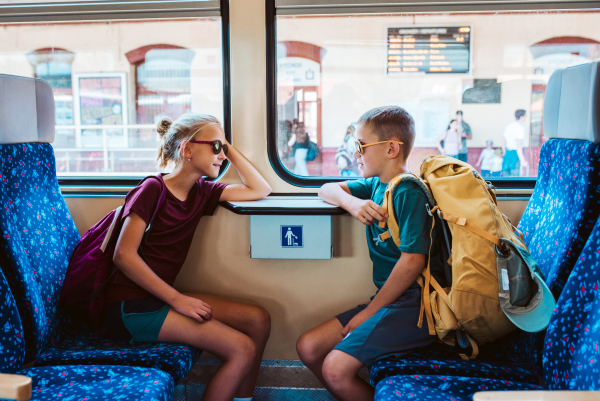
(340, 371)
(392, 330)
(254, 321)
(314, 345)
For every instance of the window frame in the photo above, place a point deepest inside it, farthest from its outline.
(116, 10)
(523, 185)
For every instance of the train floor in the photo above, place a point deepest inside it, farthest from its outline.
(277, 380)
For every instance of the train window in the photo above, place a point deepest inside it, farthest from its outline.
(113, 79)
(475, 77)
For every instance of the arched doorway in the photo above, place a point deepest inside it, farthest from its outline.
(299, 94)
(162, 81)
(548, 56)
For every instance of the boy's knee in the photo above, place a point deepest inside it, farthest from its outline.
(333, 372)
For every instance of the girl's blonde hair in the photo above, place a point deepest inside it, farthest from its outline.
(172, 135)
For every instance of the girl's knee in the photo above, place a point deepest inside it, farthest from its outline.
(261, 322)
(244, 349)
(263, 318)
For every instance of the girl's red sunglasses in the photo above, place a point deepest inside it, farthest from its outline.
(217, 146)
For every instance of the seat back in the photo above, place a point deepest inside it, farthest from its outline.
(12, 343)
(565, 202)
(572, 343)
(564, 205)
(38, 234)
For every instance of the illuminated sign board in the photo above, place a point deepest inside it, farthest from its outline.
(430, 50)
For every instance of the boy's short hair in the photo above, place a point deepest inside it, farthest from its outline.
(391, 122)
(520, 113)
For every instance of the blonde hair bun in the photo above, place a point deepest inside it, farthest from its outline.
(163, 126)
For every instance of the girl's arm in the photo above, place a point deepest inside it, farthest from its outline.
(253, 185)
(126, 258)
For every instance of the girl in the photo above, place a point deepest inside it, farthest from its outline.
(452, 141)
(141, 304)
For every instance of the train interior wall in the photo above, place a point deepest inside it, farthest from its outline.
(299, 294)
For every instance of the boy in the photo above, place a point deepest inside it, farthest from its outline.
(336, 350)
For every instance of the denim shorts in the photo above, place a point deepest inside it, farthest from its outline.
(391, 331)
(138, 320)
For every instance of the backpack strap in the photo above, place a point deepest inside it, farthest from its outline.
(461, 221)
(117, 220)
(425, 291)
(388, 205)
(393, 230)
(161, 201)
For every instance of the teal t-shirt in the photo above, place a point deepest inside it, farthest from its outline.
(414, 223)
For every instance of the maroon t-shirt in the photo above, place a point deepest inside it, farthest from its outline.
(172, 231)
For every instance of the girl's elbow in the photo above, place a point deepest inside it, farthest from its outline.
(266, 191)
(119, 258)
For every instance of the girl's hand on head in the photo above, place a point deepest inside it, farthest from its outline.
(193, 307)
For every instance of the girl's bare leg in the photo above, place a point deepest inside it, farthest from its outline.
(236, 350)
(254, 321)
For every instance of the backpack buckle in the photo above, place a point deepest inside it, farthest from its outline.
(379, 240)
(428, 209)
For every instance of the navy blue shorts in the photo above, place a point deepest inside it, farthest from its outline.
(391, 331)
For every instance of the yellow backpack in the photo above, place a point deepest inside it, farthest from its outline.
(461, 197)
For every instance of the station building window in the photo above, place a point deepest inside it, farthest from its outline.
(111, 88)
(162, 81)
(487, 65)
(54, 66)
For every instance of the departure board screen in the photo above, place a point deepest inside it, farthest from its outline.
(430, 50)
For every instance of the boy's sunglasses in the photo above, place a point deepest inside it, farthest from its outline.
(217, 146)
(360, 147)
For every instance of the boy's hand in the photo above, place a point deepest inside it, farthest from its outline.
(366, 211)
(356, 321)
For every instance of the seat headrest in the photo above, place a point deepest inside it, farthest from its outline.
(572, 103)
(26, 110)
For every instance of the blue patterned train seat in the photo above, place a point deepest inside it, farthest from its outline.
(37, 238)
(563, 208)
(498, 361)
(572, 343)
(557, 222)
(443, 388)
(74, 382)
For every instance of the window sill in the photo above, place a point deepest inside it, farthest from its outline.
(285, 204)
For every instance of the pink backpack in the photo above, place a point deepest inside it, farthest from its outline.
(91, 267)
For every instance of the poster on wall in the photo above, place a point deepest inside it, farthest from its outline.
(101, 100)
(428, 50)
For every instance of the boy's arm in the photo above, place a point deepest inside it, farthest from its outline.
(364, 210)
(405, 273)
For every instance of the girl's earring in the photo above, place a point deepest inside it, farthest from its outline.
(189, 160)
